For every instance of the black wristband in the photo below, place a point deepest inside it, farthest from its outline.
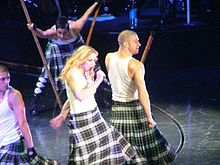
(34, 26)
(31, 152)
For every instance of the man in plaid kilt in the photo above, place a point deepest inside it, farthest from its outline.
(14, 128)
(92, 140)
(131, 113)
(64, 39)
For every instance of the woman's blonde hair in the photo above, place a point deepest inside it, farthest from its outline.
(79, 57)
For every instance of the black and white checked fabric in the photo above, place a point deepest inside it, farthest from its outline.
(16, 154)
(130, 119)
(93, 141)
(56, 56)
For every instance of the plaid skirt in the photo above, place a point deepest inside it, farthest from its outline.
(130, 119)
(94, 141)
(56, 56)
(16, 154)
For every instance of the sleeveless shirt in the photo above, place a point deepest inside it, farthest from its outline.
(76, 105)
(123, 87)
(65, 42)
(9, 127)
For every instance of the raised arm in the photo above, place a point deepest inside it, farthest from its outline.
(79, 24)
(79, 91)
(136, 71)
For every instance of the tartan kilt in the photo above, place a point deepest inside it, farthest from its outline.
(56, 56)
(16, 154)
(93, 141)
(130, 119)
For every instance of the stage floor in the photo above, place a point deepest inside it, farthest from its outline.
(193, 102)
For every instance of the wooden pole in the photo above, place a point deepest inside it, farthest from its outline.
(42, 55)
(92, 25)
(147, 47)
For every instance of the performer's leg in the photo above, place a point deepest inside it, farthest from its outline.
(37, 93)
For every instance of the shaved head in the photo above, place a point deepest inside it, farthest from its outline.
(124, 36)
(3, 68)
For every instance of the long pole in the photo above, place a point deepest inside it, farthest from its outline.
(147, 47)
(42, 55)
(92, 25)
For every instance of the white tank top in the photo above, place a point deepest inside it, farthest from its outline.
(65, 42)
(123, 87)
(10, 131)
(85, 105)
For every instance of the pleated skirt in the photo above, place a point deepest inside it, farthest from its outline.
(130, 119)
(94, 141)
(56, 56)
(16, 154)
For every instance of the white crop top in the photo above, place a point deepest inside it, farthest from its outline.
(123, 87)
(76, 105)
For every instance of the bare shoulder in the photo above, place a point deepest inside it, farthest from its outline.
(107, 59)
(76, 26)
(109, 54)
(73, 24)
(14, 97)
(73, 74)
(14, 93)
(135, 69)
(73, 71)
(50, 33)
(135, 65)
(51, 30)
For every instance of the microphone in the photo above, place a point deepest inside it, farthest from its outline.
(106, 81)
(96, 69)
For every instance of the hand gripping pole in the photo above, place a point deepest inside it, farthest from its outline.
(42, 55)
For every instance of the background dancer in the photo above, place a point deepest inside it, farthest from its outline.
(64, 39)
(131, 112)
(14, 127)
